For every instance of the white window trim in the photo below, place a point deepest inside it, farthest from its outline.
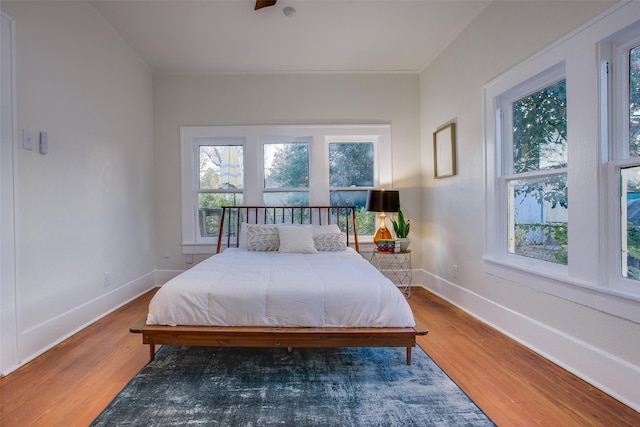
(583, 281)
(322, 135)
(615, 112)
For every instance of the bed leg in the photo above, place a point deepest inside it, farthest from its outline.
(408, 355)
(152, 352)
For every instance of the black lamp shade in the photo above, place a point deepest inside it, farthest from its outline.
(383, 201)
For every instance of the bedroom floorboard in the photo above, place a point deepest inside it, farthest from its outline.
(71, 383)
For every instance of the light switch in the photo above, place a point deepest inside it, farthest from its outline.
(27, 139)
(44, 143)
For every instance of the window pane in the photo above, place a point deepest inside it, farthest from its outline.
(538, 218)
(351, 164)
(540, 130)
(220, 166)
(286, 165)
(289, 198)
(634, 102)
(365, 221)
(209, 210)
(630, 221)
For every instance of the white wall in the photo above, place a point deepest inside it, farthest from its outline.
(187, 100)
(601, 348)
(85, 208)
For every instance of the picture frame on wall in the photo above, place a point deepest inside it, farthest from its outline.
(444, 151)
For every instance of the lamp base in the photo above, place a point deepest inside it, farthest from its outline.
(381, 234)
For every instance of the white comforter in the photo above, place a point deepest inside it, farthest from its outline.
(242, 288)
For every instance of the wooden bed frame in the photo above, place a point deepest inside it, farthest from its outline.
(285, 337)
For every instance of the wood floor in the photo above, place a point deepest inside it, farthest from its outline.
(71, 384)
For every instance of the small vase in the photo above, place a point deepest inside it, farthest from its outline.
(404, 244)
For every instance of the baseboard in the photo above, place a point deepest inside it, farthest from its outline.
(35, 341)
(607, 372)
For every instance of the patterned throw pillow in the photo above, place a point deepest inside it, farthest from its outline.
(262, 239)
(330, 242)
(329, 238)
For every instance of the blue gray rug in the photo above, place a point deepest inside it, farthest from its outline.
(307, 387)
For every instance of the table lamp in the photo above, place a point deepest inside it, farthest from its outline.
(382, 201)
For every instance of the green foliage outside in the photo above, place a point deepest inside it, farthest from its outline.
(365, 221)
(633, 251)
(351, 166)
(540, 140)
(551, 243)
(540, 143)
(290, 167)
(633, 185)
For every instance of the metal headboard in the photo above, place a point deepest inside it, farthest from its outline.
(233, 216)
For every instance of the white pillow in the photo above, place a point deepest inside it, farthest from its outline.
(242, 242)
(296, 239)
(262, 239)
(321, 229)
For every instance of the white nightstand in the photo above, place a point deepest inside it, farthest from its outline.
(396, 266)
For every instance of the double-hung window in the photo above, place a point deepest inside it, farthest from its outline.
(562, 157)
(620, 78)
(534, 179)
(351, 173)
(212, 176)
(286, 171)
(276, 166)
(530, 181)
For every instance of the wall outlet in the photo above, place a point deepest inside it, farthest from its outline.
(455, 270)
(107, 279)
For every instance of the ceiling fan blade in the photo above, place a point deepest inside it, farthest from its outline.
(264, 3)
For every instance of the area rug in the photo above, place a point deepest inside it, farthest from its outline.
(305, 387)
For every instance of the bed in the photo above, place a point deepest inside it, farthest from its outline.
(282, 277)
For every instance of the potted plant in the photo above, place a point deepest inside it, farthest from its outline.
(402, 228)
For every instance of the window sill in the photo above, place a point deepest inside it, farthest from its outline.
(612, 301)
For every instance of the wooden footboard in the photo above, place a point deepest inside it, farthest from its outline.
(276, 337)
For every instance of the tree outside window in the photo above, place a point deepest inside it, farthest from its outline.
(220, 183)
(351, 174)
(286, 174)
(537, 190)
(630, 178)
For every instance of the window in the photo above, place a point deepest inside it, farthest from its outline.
(532, 119)
(562, 128)
(278, 165)
(286, 173)
(537, 186)
(351, 175)
(621, 54)
(219, 181)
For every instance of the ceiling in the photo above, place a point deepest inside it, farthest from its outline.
(229, 36)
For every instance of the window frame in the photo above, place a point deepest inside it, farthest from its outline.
(354, 139)
(502, 142)
(504, 121)
(253, 168)
(614, 78)
(588, 278)
(270, 140)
